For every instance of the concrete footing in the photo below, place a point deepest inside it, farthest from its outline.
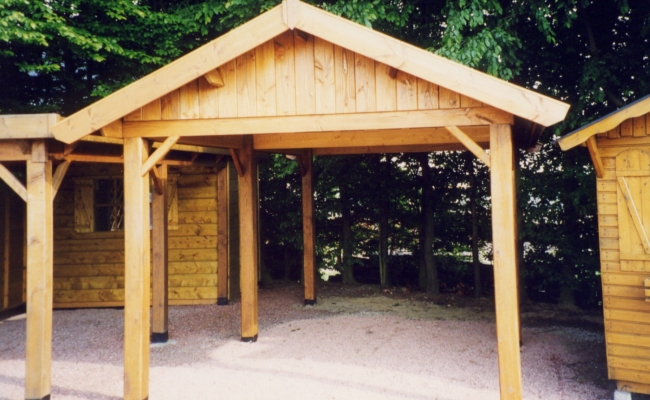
(621, 395)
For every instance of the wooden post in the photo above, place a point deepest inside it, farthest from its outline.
(160, 297)
(7, 249)
(308, 228)
(223, 228)
(136, 275)
(38, 362)
(248, 241)
(504, 238)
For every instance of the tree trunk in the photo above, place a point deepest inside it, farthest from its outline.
(384, 205)
(428, 267)
(478, 290)
(347, 264)
(287, 264)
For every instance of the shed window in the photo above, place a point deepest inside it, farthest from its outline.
(109, 205)
(99, 204)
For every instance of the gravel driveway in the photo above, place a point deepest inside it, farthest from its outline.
(358, 343)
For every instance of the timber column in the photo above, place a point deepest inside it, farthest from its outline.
(308, 227)
(504, 242)
(248, 250)
(223, 230)
(136, 273)
(160, 297)
(38, 362)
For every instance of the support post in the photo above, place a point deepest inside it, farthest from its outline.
(136, 276)
(223, 228)
(160, 297)
(248, 240)
(504, 237)
(38, 361)
(6, 250)
(308, 228)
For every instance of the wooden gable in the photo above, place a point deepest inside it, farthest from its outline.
(299, 74)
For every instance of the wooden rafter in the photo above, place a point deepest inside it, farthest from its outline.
(159, 154)
(10, 179)
(430, 67)
(290, 12)
(172, 76)
(470, 144)
(604, 124)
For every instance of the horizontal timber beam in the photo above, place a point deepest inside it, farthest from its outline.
(376, 138)
(27, 126)
(386, 149)
(318, 123)
(15, 150)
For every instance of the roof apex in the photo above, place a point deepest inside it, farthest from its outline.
(360, 39)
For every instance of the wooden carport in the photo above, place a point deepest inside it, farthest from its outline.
(297, 80)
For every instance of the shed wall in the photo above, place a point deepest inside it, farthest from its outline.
(12, 248)
(627, 314)
(89, 266)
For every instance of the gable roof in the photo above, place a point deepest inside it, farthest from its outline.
(347, 34)
(606, 123)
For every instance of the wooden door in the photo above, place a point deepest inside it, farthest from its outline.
(633, 197)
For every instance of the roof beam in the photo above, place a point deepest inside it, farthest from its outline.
(27, 126)
(318, 123)
(174, 75)
(470, 144)
(439, 137)
(430, 67)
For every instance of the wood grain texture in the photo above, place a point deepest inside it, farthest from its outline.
(248, 252)
(344, 77)
(246, 85)
(325, 86)
(504, 235)
(38, 361)
(159, 244)
(265, 79)
(285, 74)
(305, 80)
(309, 228)
(223, 231)
(364, 75)
(137, 275)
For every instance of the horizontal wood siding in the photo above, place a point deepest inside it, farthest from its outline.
(89, 266)
(627, 314)
(301, 75)
(12, 238)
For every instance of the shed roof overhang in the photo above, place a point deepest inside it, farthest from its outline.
(604, 124)
(501, 99)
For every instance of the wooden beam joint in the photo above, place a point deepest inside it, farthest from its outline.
(59, 174)
(214, 78)
(159, 154)
(469, 144)
(237, 161)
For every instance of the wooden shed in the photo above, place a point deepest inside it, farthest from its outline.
(295, 80)
(619, 146)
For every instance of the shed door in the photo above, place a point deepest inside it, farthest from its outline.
(633, 178)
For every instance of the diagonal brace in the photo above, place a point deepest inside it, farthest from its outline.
(13, 182)
(159, 154)
(470, 144)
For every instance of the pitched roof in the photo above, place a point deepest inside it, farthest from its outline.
(606, 123)
(360, 39)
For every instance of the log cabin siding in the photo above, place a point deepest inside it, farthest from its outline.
(626, 311)
(89, 266)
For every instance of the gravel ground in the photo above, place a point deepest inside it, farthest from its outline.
(358, 343)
